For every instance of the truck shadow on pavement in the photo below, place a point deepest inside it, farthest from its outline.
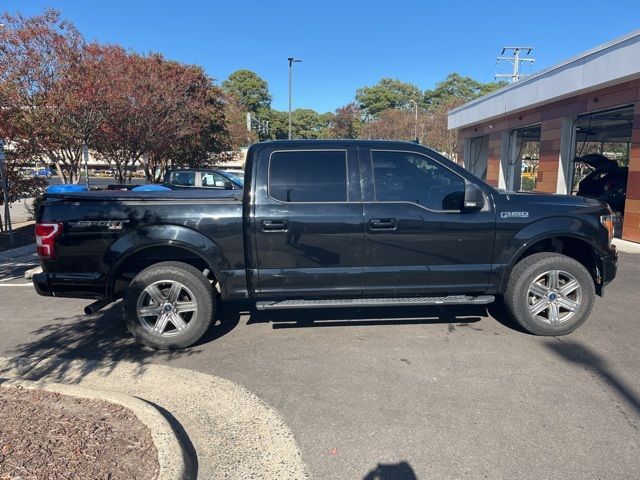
(581, 355)
(102, 337)
(374, 316)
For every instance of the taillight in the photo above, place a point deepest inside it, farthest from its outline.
(46, 234)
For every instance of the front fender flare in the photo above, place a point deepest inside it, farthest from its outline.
(544, 229)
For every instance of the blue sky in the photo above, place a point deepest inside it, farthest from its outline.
(346, 44)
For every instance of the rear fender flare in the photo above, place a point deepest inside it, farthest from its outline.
(165, 235)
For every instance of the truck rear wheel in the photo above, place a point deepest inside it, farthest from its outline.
(169, 305)
(549, 294)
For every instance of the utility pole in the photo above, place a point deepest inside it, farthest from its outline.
(291, 62)
(415, 124)
(515, 60)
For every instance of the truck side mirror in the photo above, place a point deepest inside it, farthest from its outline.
(228, 185)
(473, 197)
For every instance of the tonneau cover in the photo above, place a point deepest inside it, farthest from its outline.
(106, 195)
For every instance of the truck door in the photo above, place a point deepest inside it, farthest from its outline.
(418, 239)
(308, 226)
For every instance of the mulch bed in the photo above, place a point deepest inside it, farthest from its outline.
(23, 235)
(46, 435)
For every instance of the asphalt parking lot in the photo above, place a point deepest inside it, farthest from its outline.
(398, 393)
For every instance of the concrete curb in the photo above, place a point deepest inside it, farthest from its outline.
(17, 252)
(626, 246)
(170, 451)
(28, 274)
(225, 430)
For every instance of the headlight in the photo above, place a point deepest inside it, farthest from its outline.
(607, 221)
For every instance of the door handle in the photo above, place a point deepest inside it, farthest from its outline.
(383, 223)
(277, 225)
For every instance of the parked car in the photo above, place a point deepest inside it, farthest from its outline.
(607, 181)
(198, 178)
(121, 186)
(42, 172)
(238, 172)
(323, 224)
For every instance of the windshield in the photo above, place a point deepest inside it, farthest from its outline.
(235, 178)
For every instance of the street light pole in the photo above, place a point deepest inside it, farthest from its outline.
(291, 62)
(5, 193)
(85, 156)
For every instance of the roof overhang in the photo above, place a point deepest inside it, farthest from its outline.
(613, 62)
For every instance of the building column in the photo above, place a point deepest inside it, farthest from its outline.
(464, 153)
(550, 137)
(493, 158)
(567, 152)
(631, 225)
(505, 149)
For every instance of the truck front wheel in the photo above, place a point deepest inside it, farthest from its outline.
(549, 294)
(169, 305)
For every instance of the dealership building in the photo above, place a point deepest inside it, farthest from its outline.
(527, 135)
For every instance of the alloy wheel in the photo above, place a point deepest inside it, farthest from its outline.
(554, 297)
(166, 308)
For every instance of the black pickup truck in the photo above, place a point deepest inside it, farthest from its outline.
(328, 224)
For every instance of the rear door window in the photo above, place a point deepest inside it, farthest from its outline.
(185, 179)
(308, 176)
(212, 180)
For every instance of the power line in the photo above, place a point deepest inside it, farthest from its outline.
(519, 55)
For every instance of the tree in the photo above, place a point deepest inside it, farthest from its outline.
(305, 123)
(448, 94)
(278, 124)
(395, 124)
(73, 115)
(251, 91)
(39, 57)
(151, 106)
(438, 136)
(222, 134)
(387, 93)
(20, 186)
(346, 122)
(455, 86)
(59, 93)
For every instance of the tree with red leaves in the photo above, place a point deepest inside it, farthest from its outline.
(346, 122)
(59, 94)
(39, 61)
(157, 112)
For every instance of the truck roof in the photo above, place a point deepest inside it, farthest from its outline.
(335, 142)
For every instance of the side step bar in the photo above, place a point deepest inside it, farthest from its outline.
(376, 302)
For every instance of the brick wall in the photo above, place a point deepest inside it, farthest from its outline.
(550, 133)
(631, 227)
(550, 118)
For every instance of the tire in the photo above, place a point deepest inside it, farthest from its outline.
(169, 305)
(541, 309)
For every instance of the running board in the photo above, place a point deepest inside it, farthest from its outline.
(376, 302)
